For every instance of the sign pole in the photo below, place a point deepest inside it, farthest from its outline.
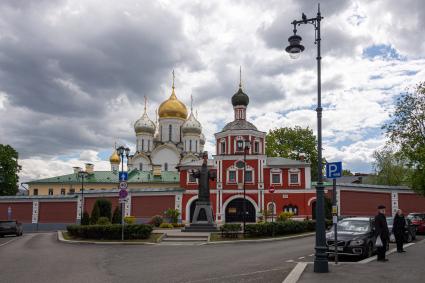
(335, 219)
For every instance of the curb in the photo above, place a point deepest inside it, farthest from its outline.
(63, 240)
(262, 240)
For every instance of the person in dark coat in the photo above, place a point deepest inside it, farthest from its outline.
(381, 230)
(399, 227)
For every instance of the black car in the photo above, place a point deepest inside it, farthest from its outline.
(355, 237)
(10, 227)
(409, 233)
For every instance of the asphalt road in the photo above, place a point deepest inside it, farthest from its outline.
(40, 257)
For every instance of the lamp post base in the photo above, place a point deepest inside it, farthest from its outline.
(321, 265)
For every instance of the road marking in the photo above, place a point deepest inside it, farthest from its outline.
(295, 273)
(301, 257)
(372, 258)
(236, 275)
(311, 255)
(1, 245)
(290, 260)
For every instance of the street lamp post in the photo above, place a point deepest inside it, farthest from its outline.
(245, 145)
(82, 174)
(121, 150)
(294, 49)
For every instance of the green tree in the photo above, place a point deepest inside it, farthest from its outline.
(391, 168)
(86, 218)
(95, 213)
(116, 217)
(105, 208)
(9, 169)
(347, 172)
(290, 142)
(406, 130)
(172, 214)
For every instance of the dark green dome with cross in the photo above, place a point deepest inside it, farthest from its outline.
(240, 98)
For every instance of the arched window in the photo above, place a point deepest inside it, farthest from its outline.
(271, 208)
(291, 208)
(196, 146)
(149, 145)
(170, 132)
(165, 166)
(143, 144)
(190, 145)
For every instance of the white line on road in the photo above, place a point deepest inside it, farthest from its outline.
(295, 273)
(290, 260)
(372, 258)
(301, 257)
(1, 245)
(236, 275)
(311, 255)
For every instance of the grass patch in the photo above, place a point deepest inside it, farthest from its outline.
(153, 238)
(216, 237)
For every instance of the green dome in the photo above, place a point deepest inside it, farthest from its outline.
(240, 98)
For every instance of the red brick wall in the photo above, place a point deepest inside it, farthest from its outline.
(148, 206)
(21, 211)
(57, 212)
(411, 203)
(364, 203)
(89, 203)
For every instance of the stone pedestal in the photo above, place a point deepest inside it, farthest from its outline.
(201, 225)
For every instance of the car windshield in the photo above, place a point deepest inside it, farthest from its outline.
(390, 220)
(353, 226)
(414, 217)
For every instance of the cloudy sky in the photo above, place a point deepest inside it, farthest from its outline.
(73, 74)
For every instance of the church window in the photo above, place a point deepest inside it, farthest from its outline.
(161, 132)
(165, 166)
(256, 147)
(276, 178)
(36, 192)
(196, 146)
(143, 144)
(190, 145)
(50, 191)
(248, 176)
(291, 208)
(223, 147)
(71, 191)
(62, 191)
(141, 166)
(191, 178)
(149, 145)
(170, 132)
(232, 176)
(293, 178)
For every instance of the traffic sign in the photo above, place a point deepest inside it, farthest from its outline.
(123, 176)
(333, 170)
(271, 189)
(123, 194)
(123, 185)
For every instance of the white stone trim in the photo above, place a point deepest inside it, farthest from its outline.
(294, 171)
(311, 200)
(307, 175)
(35, 210)
(276, 171)
(274, 206)
(232, 168)
(188, 204)
(178, 204)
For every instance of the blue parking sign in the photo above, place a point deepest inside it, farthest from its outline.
(333, 170)
(123, 176)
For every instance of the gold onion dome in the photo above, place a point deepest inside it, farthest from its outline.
(172, 107)
(115, 157)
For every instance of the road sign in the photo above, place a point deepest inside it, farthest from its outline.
(271, 190)
(123, 176)
(333, 170)
(123, 185)
(123, 194)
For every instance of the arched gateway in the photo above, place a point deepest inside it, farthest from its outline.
(234, 211)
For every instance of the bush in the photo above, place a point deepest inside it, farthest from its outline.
(103, 221)
(178, 225)
(285, 215)
(110, 232)
(172, 214)
(279, 228)
(166, 225)
(231, 227)
(130, 220)
(116, 217)
(95, 214)
(86, 218)
(156, 220)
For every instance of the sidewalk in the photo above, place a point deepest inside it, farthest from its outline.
(405, 267)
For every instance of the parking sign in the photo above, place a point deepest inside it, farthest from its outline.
(333, 170)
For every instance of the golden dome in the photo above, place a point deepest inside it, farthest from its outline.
(172, 108)
(115, 157)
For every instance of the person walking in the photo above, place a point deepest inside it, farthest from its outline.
(399, 227)
(382, 233)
